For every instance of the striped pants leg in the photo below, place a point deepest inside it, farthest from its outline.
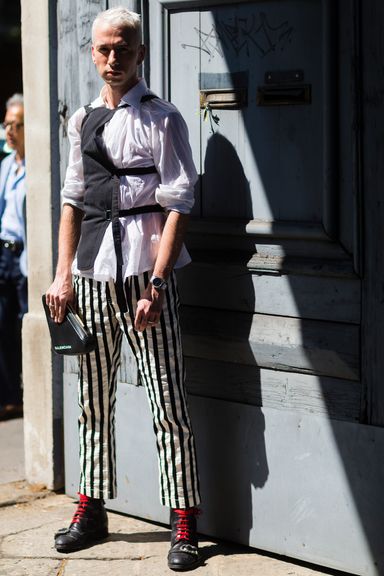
(159, 358)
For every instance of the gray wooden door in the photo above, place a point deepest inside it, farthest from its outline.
(272, 244)
(272, 302)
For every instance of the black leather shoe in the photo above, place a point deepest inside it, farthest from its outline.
(184, 553)
(89, 525)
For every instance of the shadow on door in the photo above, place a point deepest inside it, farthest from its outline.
(299, 358)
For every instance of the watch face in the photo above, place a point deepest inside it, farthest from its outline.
(158, 283)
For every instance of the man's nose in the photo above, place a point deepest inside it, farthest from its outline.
(112, 57)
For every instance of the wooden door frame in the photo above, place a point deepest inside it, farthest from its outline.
(371, 153)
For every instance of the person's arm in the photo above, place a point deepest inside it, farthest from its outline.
(150, 305)
(61, 290)
(172, 157)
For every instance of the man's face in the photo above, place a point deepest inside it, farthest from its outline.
(117, 54)
(14, 127)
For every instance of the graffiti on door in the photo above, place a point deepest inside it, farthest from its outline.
(243, 35)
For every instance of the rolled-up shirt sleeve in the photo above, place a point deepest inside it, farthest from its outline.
(73, 189)
(173, 159)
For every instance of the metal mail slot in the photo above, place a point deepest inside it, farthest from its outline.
(223, 99)
(284, 95)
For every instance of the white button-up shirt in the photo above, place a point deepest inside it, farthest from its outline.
(142, 134)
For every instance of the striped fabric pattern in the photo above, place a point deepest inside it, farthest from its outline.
(159, 356)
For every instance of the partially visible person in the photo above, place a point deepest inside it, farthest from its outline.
(13, 270)
(4, 151)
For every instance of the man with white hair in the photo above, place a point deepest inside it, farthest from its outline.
(126, 198)
(13, 273)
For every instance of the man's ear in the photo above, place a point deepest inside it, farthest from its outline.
(93, 54)
(140, 54)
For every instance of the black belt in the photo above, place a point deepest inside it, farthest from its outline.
(138, 171)
(137, 210)
(12, 245)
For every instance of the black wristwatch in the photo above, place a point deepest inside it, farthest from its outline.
(158, 283)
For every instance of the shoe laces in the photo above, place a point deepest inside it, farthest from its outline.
(81, 509)
(184, 528)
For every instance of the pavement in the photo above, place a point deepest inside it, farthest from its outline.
(30, 515)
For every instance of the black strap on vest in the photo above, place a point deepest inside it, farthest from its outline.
(137, 210)
(103, 116)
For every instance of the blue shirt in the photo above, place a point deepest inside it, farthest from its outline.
(12, 220)
(12, 203)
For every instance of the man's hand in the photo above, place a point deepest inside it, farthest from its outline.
(149, 308)
(61, 291)
(151, 302)
(57, 297)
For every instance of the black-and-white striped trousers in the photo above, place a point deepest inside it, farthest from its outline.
(158, 352)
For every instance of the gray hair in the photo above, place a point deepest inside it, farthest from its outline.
(119, 17)
(15, 100)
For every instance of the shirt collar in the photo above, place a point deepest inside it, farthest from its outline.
(134, 95)
(16, 165)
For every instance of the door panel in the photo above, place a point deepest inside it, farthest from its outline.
(266, 197)
(272, 301)
(187, 81)
(320, 298)
(78, 82)
(280, 146)
(275, 342)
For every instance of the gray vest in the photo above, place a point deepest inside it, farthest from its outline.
(102, 182)
(102, 190)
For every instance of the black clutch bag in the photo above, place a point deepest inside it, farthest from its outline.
(71, 336)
